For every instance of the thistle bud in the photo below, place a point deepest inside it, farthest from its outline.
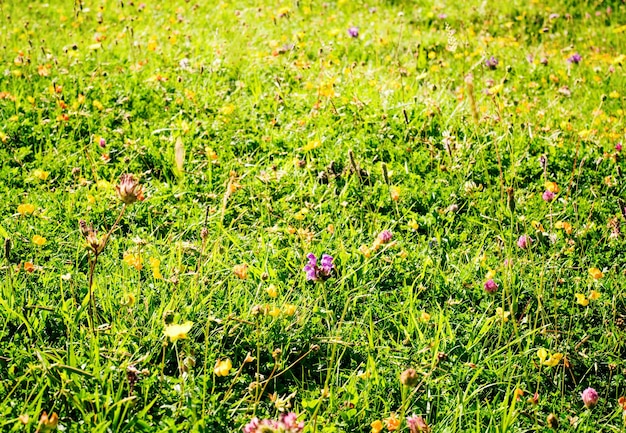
(129, 190)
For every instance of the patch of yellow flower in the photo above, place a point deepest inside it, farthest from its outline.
(595, 273)
(39, 240)
(154, 264)
(271, 291)
(133, 260)
(41, 174)
(223, 367)
(552, 187)
(547, 359)
(567, 227)
(502, 315)
(26, 209)
(177, 332)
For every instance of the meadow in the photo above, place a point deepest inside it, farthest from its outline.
(309, 216)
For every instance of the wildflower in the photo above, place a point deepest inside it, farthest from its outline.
(393, 423)
(595, 273)
(518, 393)
(41, 174)
(524, 241)
(155, 264)
(409, 378)
(223, 367)
(271, 291)
(129, 190)
(177, 331)
(552, 187)
(575, 59)
(385, 236)
(548, 196)
(590, 397)
(29, 267)
(289, 310)
(552, 421)
(91, 236)
(39, 240)
(25, 209)
(553, 360)
(413, 225)
(133, 260)
(491, 286)
(353, 32)
(594, 295)
(102, 142)
(491, 62)
(241, 271)
(502, 315)
(417, 424)
(394, 191)
(424, 316)
(534, 399)
(581, 299)
(128, 300)
(48, 423)
(377, 426)
(287, 423)
(315, 272)
(618, 146)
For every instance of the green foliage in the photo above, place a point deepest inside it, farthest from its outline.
(261, 133)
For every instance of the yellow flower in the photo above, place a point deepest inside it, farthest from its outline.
(40, 174)
(25, 209)
(581, 299)
(48, 423)
(274, 312)
(227, 109)
(289, 310)
(542, 354)
(413, 225)
(395, 193)
(567, 227)
(154, 264)
(133, 260)
(490, 274)
(39, 240)
(424, 316)
(222, 367)
(241, 271)
(537, 226)
(271, 291)
(553, 360)
(365, 250)
(311, 145)
(502, 315)
(177, 331)
(377, 426)
(594, 295)
(128, 300)
(552, 187)
(596, 273)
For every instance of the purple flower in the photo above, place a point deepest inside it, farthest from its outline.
(590, 397)
(618, 146)
(524, 241)
(102, 142)
(548, 196)
(491, 286)
(553, 16)
(385, 236)
(290, 423)
(544, 61)
(575, 58)
(353, 32)
(417, 424)
(315, 272)
(491, 62)
(327, 265)
(252, 426)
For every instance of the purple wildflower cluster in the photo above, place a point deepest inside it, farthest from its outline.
(575, 58)
(287, 423)
(315, 272)
(491, 63)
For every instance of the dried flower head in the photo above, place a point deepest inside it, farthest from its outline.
(129, 190)
(409, 377)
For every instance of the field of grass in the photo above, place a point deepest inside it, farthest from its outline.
(167, 169)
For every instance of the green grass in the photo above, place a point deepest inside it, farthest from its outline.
(264, 132)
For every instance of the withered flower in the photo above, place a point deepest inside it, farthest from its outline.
(129, 190)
